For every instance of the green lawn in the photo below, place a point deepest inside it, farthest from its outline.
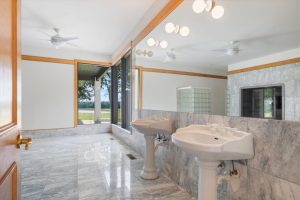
(105, 114)
(90, 116)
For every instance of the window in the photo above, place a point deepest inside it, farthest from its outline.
(121, 92)
(264, 102)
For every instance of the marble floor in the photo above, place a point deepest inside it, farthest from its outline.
(90, 167)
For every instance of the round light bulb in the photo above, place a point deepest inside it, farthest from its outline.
(138, 52)
(170, 27)
(199, 6)
(184, 31)
(151, 42)
(163, 44)
(150, 53)
(217, 12)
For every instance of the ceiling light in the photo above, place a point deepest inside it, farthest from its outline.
(150, 53)
(209, 5)
(184, 31)
(199, 6)
(163, 44)
(217, 12)
(151, 42)
(141, 52)
(170, 27)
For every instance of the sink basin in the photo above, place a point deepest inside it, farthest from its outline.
(214, 143)
(211, 144)
(150, 128)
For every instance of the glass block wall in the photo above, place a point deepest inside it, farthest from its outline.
(197, 100)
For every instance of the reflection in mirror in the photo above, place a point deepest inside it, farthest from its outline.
(248, 64)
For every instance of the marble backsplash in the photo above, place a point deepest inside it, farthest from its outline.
(274, 172)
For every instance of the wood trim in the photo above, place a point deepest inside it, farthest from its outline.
(167, 71)
(7, 127)
(265, 66)
(10, 172)
(166, 11)
(75, 93)
(47, 59)
(106, 64)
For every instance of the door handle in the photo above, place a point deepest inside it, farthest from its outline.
(23, 141)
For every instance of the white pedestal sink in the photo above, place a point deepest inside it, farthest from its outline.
(212, 144)
(150, 128)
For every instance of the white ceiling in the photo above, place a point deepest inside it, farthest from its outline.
(101, 25)
(263, 27)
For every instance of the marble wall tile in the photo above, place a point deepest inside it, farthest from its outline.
(277, 148)
(264, 186)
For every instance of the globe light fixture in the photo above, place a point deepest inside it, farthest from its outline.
(217, 12)
(163, 44)
(184, 31)
(151, 42)
(199, 6)
(170, 27)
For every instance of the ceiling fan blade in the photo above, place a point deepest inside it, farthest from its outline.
(67, 39)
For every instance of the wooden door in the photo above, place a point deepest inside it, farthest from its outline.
(9, 59)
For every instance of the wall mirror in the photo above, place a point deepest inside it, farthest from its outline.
(235, 58)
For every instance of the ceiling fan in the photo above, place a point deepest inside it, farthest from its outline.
(170, 56)
(58, 41)
(232, 50)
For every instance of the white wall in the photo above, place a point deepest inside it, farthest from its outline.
(160, 91)
(285, 55)
(47, 95)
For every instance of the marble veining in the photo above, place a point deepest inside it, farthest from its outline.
(89, 167)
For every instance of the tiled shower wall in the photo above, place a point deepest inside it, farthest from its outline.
(273, 173)
(287, 75)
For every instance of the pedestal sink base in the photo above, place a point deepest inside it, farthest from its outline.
(207, 184)
(149, 171)
(149, 175)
